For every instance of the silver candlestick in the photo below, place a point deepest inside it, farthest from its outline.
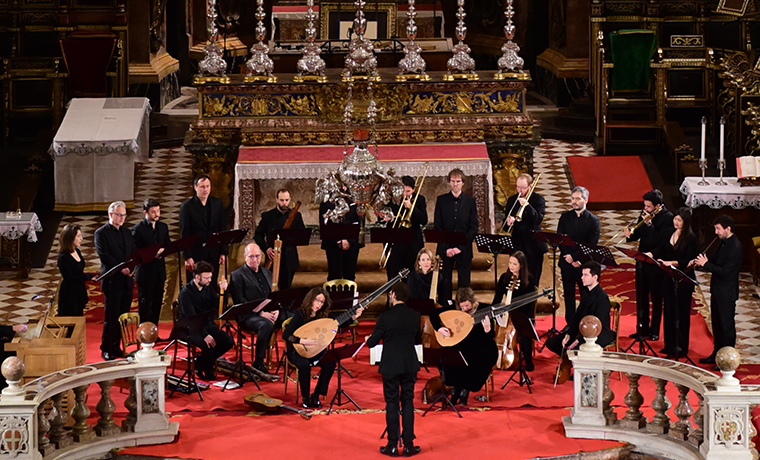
(412, 66)
(311, 66)
(212, 68)
(510, 63)
(360, 62)
(703, 167)
(461, 65)
(260, 65)
(721, 167)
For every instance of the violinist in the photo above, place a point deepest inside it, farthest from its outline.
(522, 230)
(654, 227)
(517, 273)
(678, 251)
(478, 348)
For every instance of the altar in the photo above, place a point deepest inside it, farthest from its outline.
(262, 170)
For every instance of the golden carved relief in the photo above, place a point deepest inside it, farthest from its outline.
(465, 102)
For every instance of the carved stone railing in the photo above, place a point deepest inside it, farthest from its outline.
(720, 427)
(33, 421)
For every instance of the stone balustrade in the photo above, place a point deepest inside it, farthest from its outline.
(33, 420)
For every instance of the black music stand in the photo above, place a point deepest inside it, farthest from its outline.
(225, 239)
(288, 301)
(554, 240)
(138, 256)
(678, 278)
(644, 346)
(335, 355)
(182, 330)
(178, 247)
(446, 356)
(234, 312)
(494, 245)
(446, 237)
(523, 328)
(391, 235)
(336, 232)
(601, 254)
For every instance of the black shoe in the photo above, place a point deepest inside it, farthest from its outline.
(315, 402)
(654, 337)
(707, 360)
(455, 395)
(463, 397)
(637, 335)
(306, 404)
(107, 356)
(411, 450)
(529, 364)
(261, 367)
(390, 450)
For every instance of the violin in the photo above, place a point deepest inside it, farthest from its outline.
(506, 335)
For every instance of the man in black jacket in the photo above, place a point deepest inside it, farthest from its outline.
(725, 266)
(150, 277)
(202, 215)
(114, 244)
(582, 226)
(655, 228)
(342, 255)
(522, 230)
(275, 219)
(404, 255)
(198, 298)
(399, 329)
(455, 211)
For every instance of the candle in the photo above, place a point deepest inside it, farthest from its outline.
(704, 134)
(722, 134)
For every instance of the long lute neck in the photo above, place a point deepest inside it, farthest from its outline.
(498, 310)
(343, 317)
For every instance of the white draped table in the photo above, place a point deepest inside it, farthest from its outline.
(95, 151)
(16, 232)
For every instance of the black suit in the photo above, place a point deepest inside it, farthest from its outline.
(725, 266)
(247, 286)
(150, 277)
(399, 329)
(289, 263)
(522, 232)
(584, 229)
(196, 219)
(114, 246)
(455, 214)
(204, 301)
(340, 263)
(595, 303)
(404, 255)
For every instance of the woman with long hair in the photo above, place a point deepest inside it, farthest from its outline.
(422, 277)
(72, 296)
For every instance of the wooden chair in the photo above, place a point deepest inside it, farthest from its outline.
(344, 286)
(273, 345)
(129, 323)
(177, 339)
(289, 366)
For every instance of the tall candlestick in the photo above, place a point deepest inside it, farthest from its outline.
(722, 134)
(704, 135)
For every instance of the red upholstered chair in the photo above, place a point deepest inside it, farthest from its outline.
(87, 56)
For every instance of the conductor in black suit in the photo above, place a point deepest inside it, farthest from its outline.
(254, 282)
(275, 219)
(522, 230)
(455, 212)
(150, 277)
(342, 255)
(404, 255)
(202, 215)
(399, 329)
(725, 266)
(114, 244)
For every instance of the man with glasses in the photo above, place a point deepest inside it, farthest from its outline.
(455, 212)
(522, 230)
(114, 243)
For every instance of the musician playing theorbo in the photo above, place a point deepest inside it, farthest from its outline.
(522, 230)
(403, 255)
(275, 219)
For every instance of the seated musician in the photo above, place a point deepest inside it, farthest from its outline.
(254, 282)
(6, 335)
(478, 349)
(421, 278)
(518, 272)
(595, 302)
(316, 305)
(196, 298)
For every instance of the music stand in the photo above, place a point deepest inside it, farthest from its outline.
(523, 328)
(178, 247)
(678, 277)
(446, 356)
(555, 240)
(225, 239)
(234, 312)
(640, 339)
(337, 232)
(391, 235)
(494, 245)
(335, 355)
(446, 237)
(135, 258)
(182, 330)
(287, 300)
(601, 254)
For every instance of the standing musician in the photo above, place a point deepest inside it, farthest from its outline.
(522, 230)
(478, 348)
(654, 227)
(725, 266)
(582, 226)
(342, 255)
(315, 305)
(402, 255)
(455, 211)
(275, 219)
(518, 271)
(151, 277)
(678, 250)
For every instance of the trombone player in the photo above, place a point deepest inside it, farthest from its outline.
(411, 211)
(526, 211)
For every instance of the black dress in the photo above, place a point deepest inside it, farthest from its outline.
(419, 284)
(72, 296)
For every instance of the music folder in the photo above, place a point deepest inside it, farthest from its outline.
(446, 237)
(391, 235)
(137, 257)
(179, 245)
(228, 237)
(235, 311)
(336, 232)
(554, 239)
(291, 236)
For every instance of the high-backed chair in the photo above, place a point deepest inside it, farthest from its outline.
(88, 57)
(343, 288)
(129, 323)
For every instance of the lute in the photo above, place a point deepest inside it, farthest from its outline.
(460, 323)
(323, 330)
(263, 403)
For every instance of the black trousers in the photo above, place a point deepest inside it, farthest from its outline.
(286, 277)
(150, 297)
(402, 256)
(341, 264)
(304, 373)
(649, 283)
(263, 329)
(535, 266)
(208, 354)
(463, 262)
(571, 277)
(722, 312)
(676, 325)
(399, 387)
(117, 290)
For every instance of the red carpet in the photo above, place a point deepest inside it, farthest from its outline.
(613, 182)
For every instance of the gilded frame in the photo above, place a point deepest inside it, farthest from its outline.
(732, 7)
(328, 8)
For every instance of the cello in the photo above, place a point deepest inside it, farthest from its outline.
(506, 335)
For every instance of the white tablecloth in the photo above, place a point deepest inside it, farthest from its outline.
(95, 150)
(28, 224)
(719, 196)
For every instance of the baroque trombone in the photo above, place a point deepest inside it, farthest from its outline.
(519, 215)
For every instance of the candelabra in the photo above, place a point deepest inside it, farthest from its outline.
(311, 66)
(510, 63)
(461, 65)
(360, 63)
(703, 167)
(212, 67)
(721, 167)
(260, 65)
(412, 66)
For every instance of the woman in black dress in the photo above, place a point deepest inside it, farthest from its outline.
(422, 277)
(72, 296)
(518, 272)
(678, 251)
